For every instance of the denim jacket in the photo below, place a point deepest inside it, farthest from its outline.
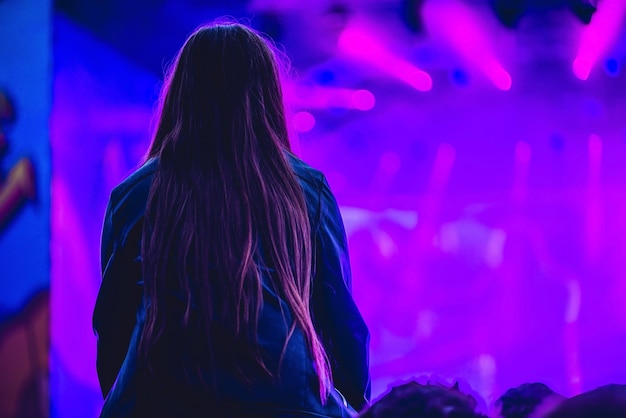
(119, 315)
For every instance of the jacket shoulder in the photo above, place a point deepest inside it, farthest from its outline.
(142, 175)
(310, 178)
(128, 199)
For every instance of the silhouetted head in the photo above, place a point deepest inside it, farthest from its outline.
(606, 402)
(529, 400)
(414, 400)
(225, 81)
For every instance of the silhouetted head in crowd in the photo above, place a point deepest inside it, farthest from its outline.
(604, 402)
(530, 400)
(414, 400)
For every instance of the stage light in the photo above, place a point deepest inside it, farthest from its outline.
(582, 68)
(598, 36)
(442, 167)
(458, 25)
(498, 75)
(358, 44)
(312, 96)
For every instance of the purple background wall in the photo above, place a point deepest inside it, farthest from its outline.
(25, 77)
(25, 87)
(481, 179)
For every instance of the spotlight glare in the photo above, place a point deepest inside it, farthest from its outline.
(464, 30)
(358, 44)
(581, 68)
(599, 35)
(502, 80)
(422, 81)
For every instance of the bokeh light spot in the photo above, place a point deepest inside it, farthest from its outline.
(363, 100)
(459, 77)
(612, 67)
(303, 121)
(326, 77)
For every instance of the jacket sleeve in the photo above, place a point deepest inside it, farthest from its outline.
(336, 317)
(119, 296)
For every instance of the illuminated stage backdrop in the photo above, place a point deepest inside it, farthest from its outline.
(479, 169)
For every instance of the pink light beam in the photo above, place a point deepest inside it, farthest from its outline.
(312, 96)
(598, 36)
(457, 25)
(361, 45)
(593, 224)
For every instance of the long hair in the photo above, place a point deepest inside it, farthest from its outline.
(224, 202)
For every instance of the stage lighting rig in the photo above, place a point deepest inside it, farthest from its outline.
(510, 12)
(411, 14)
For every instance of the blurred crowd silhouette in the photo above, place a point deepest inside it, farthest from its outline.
(529, 400)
